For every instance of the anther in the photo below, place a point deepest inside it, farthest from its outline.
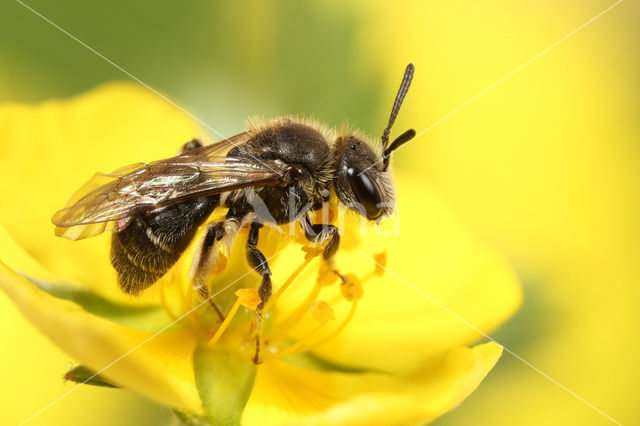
(311, 252)
(380, 263)
(339, 329)
(326, 275)
(352, 289)
(248, 298)
(322, 312)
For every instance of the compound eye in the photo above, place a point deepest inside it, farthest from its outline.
(367, 193)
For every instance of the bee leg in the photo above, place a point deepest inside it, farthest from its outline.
(191, 145)
(205, 260)
(318, 233)
(259, 263)
(205, 295)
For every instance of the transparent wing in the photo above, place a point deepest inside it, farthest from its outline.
(108, 200)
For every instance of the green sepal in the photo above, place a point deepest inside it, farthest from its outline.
(83, 375)
(146, 318)
(224, 378)
(190, 419)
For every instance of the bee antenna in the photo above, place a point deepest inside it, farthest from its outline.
(402, 92)
(397, 143)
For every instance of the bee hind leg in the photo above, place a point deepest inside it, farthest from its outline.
(205, 295)
(259, 263)
(205, 260)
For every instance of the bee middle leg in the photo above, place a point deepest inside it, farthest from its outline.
(258, 261)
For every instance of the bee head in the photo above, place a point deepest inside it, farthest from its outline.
(362, 180)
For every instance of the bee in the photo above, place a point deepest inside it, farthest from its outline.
(275, 173)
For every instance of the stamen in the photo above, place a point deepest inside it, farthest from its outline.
(173, 279)
(321, 312)
(338, 297)
(338, 330)
(380, 263)
(283, 328)
(248, 298)
(378, 267)
(352, 289)
(326, 275)
(187, 303)
(311, 252)
(296, 346)
(165, 304)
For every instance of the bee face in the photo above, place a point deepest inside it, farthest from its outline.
(360, 181)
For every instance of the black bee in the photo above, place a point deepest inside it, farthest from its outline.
(273, 173)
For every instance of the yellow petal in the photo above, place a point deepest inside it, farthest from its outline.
(15, 257)
(396, 327)
(136, 315)
(160, 367)
(51, 149)
(284, 394)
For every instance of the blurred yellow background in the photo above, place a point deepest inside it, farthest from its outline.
(543, 166)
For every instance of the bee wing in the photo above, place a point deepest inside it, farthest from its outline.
(109, 200)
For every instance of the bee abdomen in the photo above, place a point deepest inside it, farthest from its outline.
(131, 277)
(151, 243)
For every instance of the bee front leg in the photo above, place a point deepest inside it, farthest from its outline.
(259, 263)
(318, 233)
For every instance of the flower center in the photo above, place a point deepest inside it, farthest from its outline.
(311, 321)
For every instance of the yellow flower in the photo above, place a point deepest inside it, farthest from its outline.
(372, 351)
